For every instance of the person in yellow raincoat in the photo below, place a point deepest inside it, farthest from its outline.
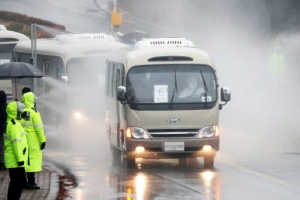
(16, 150)
(277, 62)
(33, 125)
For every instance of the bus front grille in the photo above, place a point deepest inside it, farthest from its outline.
(176, 133)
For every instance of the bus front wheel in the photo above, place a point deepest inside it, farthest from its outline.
(130, 161)
(209, 162)
(116, 155)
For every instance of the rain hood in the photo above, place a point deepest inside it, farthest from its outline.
(12, 110)
(28, 100)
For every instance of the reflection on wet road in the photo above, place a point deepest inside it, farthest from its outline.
(165, 179)
(150, 179)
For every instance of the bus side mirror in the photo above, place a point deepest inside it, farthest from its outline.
(225, 94)
(121, 93)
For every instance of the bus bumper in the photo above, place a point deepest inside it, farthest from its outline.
(171, 148)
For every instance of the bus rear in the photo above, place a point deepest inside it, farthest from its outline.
(74, 65)
(8, 40)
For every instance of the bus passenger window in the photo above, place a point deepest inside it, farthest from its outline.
(114, 80)
(39, 64)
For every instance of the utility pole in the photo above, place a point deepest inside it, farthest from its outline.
(33, 59)
(33, 44)
(113, 11)
(117, 18)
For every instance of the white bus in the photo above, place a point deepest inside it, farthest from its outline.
(8, 40)
(163, 102)
(79, 60)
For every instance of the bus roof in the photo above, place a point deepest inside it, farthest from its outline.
(162, 51)
(72, 45)
(11, 37)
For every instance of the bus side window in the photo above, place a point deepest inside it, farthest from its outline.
(114, 80)
(110, 77)
(46, 71)
(60, 69)
(40, 66)
(53, 71)
(107, 78)
(24, 57)
(15, 57)
(50, 64)
(120, 77)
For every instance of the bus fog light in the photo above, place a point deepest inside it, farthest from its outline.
(207, 148)
(139, 149)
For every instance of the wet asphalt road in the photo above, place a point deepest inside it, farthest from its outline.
(239, 173)
(235, 176)
(243, 170)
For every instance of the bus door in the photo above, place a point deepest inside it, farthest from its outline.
(115, 73)
(119, 106)
(50, 87)
(114, 108)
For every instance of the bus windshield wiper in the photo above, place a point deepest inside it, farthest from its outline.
(204, 82)
(205, 87)
(175, 88)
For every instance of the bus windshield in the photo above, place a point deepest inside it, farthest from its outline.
(87, 73)
(6, 53)
(171, 84)
(86, 84)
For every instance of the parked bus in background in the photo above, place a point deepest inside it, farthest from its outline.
(162, 100)
(8, 40)
(79, 60)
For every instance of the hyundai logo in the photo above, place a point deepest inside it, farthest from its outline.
(173, 120)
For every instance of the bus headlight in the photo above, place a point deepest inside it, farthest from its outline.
(209, 131)
(137, 133)
(77, 115)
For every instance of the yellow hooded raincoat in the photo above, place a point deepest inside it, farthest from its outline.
(32, 123)
(15, 141)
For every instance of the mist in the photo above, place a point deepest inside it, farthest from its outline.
(75, 115)
(261, 115)
(50, 30)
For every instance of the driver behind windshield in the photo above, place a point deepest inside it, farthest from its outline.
(194, 87)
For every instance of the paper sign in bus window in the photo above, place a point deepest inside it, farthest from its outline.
(208, 99)
(160, 93)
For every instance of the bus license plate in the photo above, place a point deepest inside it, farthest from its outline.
(173, 146)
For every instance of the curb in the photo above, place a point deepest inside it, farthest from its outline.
(54, 184)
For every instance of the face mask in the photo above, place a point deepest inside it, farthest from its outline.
(21, 107)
